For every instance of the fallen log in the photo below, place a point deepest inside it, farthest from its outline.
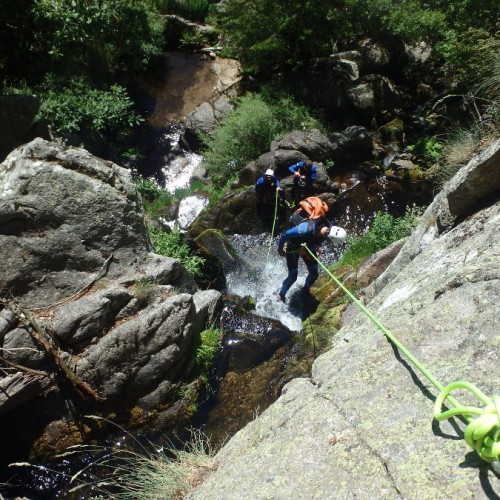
(48, 343)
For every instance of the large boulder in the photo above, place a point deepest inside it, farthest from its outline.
(235, 213)
(361, 425)
(63, 214)
(209, 114)
(311, 143)
(83, 295)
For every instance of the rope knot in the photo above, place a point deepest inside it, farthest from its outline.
(483, 430)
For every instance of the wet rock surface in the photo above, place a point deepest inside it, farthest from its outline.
(362, 425)
(106, 323)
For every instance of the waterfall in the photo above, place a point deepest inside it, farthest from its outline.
(179, 164)
(189, 208)
(260, 273)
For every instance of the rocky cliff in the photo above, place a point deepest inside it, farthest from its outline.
(361, 426)
(90, 318)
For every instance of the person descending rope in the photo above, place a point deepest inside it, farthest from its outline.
(269, 194)
(304, 174)
(311, 233)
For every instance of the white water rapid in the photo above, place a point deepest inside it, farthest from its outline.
(260, 274)
(189, 209)
(179, 164)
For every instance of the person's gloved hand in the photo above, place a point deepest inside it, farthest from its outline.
(281, 252)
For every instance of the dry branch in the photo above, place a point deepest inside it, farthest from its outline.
(48, 343)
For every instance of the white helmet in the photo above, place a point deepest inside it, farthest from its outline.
(270, 172)
(337, 234)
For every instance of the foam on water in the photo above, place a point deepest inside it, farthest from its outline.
(260, 275)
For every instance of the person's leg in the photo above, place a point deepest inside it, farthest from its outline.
(265, 212)
(295, 192)
(292, 263)
(308, 189)
(312, 267)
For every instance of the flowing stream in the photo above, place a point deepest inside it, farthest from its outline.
(259, 272)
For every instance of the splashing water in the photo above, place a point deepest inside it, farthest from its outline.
(261, 272)
(189, 209)
(260, 275)
(180, 164)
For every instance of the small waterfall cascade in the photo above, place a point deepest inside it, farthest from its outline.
(178, 164)
(260, 273)
(189, 208)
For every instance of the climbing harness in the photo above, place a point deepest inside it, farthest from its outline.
(483, 431)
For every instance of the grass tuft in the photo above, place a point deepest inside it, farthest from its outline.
(384, 230)
(151, 473)
(161, 474)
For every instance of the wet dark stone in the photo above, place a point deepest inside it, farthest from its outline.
(248, 339)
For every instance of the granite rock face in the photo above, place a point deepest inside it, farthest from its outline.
(361, 426)
(76, 256)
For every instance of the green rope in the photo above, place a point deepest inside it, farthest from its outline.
(274, 224)
(483, 432)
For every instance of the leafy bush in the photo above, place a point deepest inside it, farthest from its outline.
(248, 132)
(80, 107)
(94, 38)
(429, 149)
(173, 245)
(384, 230)
(149, 190)
(274, 34)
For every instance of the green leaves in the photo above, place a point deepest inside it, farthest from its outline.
(384, 230)
(172, 245)
(249, 131)
(207, 350)
(269, 35)
(95, 39)
(80, 107)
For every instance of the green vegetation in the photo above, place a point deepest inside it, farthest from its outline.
(77, 56)
(142, 472)
(206, 351)
(195, 10)
(168, 243)
(267, 35)
(384, 230)
(79, 106)
(297, 31)
(138, 476)
(172, 244)
(77, 38)
(145, 290)
(154, 198)
(249, 131)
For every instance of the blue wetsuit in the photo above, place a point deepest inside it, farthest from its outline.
(307, 232)
(265, 186)
(300, 168)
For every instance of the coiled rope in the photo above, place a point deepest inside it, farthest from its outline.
(483, 430)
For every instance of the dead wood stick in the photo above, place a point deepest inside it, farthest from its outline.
(22, 368)
(48, 343)
(46, 340)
